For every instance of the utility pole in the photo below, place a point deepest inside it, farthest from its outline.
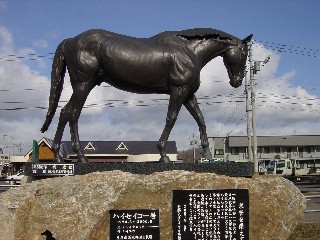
(248, 114)
(254, 69)
(193, 142)
(253, 107)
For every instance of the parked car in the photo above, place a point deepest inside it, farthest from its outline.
(314, 171)
(15, 179)
(3, 176)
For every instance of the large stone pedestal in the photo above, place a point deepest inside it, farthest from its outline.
(78, 207)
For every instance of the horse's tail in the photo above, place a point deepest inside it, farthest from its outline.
(57, 78)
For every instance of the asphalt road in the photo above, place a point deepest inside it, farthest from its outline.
(311, 190)
(4, 185)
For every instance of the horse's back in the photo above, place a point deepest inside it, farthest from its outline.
(129, 63)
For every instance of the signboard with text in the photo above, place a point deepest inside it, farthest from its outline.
(46, 169)
(134, 224)
(210, 214)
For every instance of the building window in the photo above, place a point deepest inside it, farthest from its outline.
(288, 165)
(235, 151)
(279, 150)
(264, 150)
(310, 149)
(218, 152)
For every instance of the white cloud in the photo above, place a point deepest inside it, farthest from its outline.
(283, 108)
(40, 43)
(6, 41)
(15, 76)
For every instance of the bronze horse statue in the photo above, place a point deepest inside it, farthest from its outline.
(167, 63)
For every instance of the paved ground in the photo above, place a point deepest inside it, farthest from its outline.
(312, 193)
(4, 186)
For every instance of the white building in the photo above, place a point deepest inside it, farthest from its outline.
(235, 148)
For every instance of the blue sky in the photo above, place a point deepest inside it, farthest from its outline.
(38, 26)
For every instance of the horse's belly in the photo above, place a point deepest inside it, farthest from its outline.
(136, 85)
(136, 71)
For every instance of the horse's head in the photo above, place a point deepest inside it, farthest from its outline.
(235, 58)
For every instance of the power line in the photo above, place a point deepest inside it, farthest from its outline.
(279, 47)
(69, 86)
(116, 103)
(228, 120)
(242, 118)
(285, 48)
(205, 97)
(204, 100)
(265, 95)
(290, 103)
(30, 57)
(292, 109)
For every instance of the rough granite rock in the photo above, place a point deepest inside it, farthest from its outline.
(78, 207)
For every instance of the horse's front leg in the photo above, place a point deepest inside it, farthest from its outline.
(177, 97)
(193, 107)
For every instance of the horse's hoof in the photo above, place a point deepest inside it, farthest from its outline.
(83, 159)
(165, 159)
(207, 154)
(59, 160)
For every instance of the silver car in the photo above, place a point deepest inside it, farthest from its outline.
(15, 179)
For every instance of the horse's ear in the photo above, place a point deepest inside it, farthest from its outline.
(247, 39)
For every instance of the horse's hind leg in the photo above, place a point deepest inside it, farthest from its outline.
(63, 119)
(193, 107)
(77, 101)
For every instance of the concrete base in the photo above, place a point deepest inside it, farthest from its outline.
(232, 169)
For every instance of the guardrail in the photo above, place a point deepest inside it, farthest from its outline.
(302, 179)
(312, 196)
(308, 197)
(6, 187)
(310, 188)
(9, 185)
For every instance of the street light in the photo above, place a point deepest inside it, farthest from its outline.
(193, 143)
(12, 144)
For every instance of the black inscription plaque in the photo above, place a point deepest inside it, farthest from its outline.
(44, 169)
(210, 214)
(134, 224)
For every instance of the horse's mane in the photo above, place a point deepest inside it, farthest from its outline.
(206, 36)
(204, 33)
(200, 34)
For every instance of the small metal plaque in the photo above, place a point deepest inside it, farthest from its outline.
(210, 214)
(134, 224)
(44, 169)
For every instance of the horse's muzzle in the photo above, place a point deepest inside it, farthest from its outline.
(236, 83)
